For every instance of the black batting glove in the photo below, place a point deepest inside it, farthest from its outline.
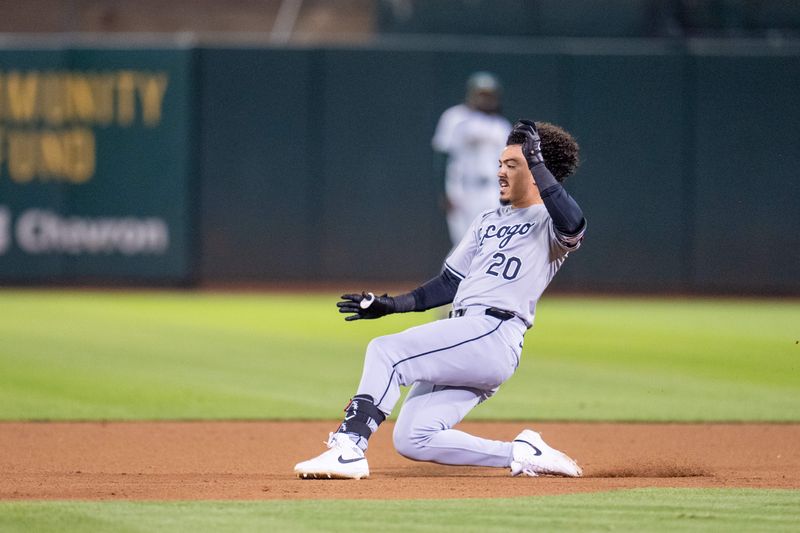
(532, 147)
(366, 305)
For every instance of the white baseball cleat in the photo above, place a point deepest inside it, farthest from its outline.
(343, 460)
(533, 457)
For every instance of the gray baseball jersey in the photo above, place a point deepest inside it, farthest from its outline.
(507, 259)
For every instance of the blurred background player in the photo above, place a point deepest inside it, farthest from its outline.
(469, 136)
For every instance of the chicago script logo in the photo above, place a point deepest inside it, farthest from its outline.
(504, 233)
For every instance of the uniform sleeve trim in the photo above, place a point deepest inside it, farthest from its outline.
(571, 242)
(455, 272)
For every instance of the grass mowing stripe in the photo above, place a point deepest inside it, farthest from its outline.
(630, 510)
(166, 355)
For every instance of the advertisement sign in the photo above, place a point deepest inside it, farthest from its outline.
(95, 165)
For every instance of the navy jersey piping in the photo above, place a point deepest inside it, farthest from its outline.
(454, 271)
(394, 366)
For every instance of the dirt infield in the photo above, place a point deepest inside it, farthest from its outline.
(254, 460)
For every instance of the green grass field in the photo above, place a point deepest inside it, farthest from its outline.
(67, 355)
(631, 510)
(173, 355)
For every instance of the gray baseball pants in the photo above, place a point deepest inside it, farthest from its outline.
(452, 365)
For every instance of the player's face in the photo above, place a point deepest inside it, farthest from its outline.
(516, 181)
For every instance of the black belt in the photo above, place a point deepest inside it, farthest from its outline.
(491, 311)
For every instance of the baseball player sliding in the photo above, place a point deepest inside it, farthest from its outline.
(493, 277)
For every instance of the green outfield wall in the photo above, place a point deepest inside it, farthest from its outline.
(258, 164)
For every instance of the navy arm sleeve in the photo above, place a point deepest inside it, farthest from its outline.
(433, 293)
(563, 209)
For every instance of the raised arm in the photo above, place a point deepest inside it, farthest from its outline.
(567, 215)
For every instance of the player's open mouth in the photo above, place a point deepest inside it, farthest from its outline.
(503, 184)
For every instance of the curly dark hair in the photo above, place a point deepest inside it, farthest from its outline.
(559, 149)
